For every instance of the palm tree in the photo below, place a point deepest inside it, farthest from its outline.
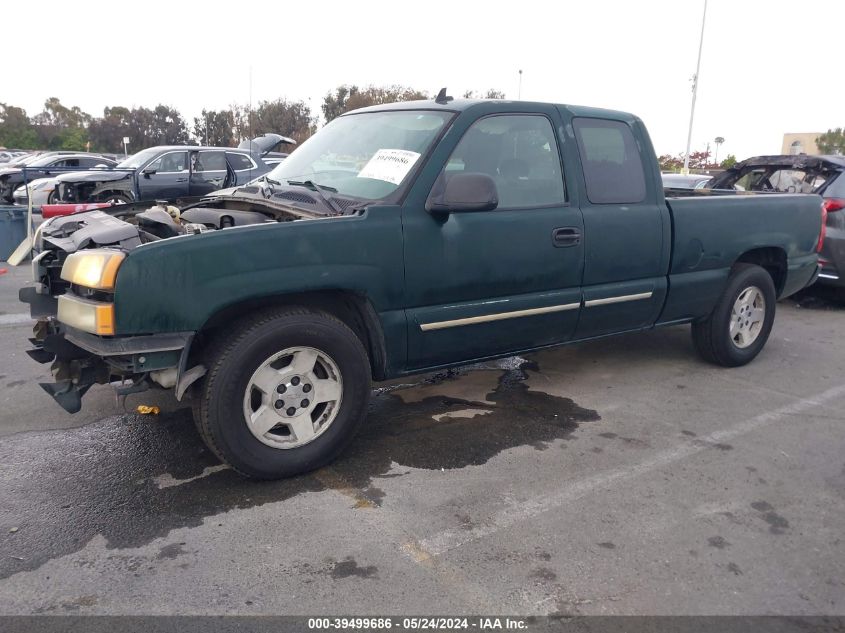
(719, 140)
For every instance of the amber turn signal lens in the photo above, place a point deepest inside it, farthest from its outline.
(89, 316)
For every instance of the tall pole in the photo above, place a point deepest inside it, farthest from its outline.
(695, 90)
(519, 94)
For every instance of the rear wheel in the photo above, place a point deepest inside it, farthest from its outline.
(740, 324)
(284, 393)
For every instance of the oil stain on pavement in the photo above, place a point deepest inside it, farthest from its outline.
(61, 488)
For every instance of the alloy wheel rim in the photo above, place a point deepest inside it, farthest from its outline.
(293, 397)
(747, 317)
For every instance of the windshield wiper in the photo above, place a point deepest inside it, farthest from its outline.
(319, 189)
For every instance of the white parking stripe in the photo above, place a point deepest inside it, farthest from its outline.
(15, 319)
(523, 510)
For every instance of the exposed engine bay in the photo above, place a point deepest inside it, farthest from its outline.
(127, 227)
(80, 359)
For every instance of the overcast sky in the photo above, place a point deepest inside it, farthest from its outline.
(768, 67)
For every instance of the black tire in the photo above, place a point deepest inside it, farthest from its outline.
(219, 400)
(712, 336)
(51, 197)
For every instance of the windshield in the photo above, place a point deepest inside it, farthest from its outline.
(45, 161)
(26, 160)
(364, 155)
(136, 160)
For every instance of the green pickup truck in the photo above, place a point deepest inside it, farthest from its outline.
(401, 239)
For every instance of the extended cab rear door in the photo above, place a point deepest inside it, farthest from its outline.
(627, 228)
(489, 282)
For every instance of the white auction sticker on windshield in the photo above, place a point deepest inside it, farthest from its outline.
(389, 165)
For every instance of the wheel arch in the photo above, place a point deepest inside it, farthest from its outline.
(772, 259)
(352, 308)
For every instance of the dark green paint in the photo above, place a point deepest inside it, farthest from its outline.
(414, 267)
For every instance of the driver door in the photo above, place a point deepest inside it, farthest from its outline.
(166, 177)
(499, 281)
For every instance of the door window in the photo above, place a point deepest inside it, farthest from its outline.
(93, 161)
(208, 161)
(613, 169)
(170, 163)
(239, 162)
(67, 162)
(519, 153)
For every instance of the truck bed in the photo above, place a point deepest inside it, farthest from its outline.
(712, 229)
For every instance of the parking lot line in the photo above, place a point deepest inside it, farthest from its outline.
(15, 319)
(523, 510)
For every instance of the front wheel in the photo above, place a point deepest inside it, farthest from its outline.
(116, 198)
(742, 320)
(284, 394)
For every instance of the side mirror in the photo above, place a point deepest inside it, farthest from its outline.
(149, 171)
(465, 192)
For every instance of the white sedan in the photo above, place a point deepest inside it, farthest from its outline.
(40, 190)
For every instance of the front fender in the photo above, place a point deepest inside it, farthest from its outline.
(178, 284)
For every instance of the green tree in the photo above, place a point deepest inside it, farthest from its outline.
(729, 162)
(107, 132)
(74, 139)
(351, 97)
(145, 127)
(670, 163)
(832, 142)
(215, 127)
(289, 118)
(161, 125)
(16, 130)
(59, 116)
(61, 127)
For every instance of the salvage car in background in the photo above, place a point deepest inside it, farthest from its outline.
(40, 190)
(386, 246)
(46, 164)
(824, 175)
(682, 181)
(167, 173)
(9, 156)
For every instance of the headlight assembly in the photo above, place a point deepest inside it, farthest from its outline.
(95, 268)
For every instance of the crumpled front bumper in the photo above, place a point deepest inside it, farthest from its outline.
(79, 359)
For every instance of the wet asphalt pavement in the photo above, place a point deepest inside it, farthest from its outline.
(621, 476)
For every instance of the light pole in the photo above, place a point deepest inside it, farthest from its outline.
(519, 93)
(695, 90)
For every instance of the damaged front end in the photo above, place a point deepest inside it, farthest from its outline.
(73, 303)
(94, 186)
(75, 266)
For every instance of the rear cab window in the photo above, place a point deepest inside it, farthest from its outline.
(610, 158)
